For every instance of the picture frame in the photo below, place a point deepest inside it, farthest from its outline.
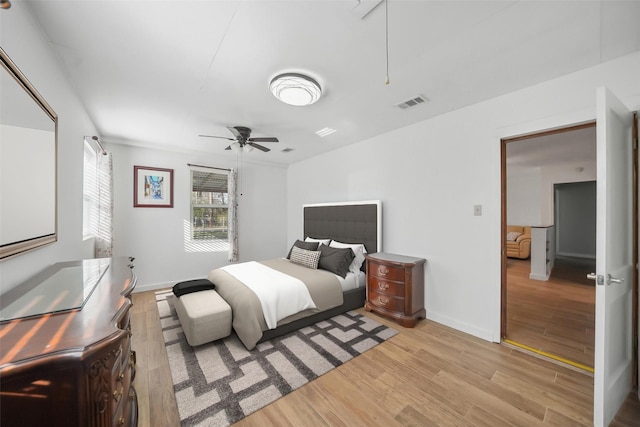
(152, 187)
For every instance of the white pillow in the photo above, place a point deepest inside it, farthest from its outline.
(320, 241)
(358, 250)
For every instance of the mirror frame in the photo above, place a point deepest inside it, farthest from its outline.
(14, 248)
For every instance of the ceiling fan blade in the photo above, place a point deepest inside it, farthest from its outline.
(259, 147)
(235, 132)
(264, 139)
(219, 137)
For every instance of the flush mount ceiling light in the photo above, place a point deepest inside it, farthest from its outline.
(295, 89)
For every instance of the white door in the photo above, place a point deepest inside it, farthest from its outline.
(614, 253)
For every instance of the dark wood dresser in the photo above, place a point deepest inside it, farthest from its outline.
(65, 347)
(395, 287)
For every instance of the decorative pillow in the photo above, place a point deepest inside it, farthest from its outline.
(513, 235)
(305, 258)
(335, 260)
(358, 251)
(320, 241)
(310, 246)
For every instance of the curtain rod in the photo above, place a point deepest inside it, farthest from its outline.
(102, 150)
(209, 167)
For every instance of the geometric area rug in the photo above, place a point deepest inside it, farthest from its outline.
(219, 383)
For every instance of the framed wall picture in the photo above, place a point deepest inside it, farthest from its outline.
(152, 187)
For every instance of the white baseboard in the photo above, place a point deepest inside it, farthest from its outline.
(574, 255)
(484, 334)
(153, 287)
(539, 277)
(159, 286)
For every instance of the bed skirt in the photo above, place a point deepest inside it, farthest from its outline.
(353, 299)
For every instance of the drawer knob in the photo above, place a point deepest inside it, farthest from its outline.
(117, 395)
(383, 301)
(383, 286)
(121, 421)
(383, 271)
(120, 377)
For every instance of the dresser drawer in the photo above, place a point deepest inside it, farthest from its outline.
(385, 272)
(118, 365)
(386, 287)
(125, 410)
(386, 302)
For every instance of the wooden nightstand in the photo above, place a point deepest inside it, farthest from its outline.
(395, 287)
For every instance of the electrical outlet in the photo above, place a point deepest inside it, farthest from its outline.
(477, 210)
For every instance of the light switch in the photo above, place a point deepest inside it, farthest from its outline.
(477, 210)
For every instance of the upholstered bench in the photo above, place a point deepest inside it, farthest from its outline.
(204, 316)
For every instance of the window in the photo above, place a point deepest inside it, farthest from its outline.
(209, 205)
(90, 192)
(97, 201)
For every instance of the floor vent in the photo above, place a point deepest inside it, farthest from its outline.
(412, 102)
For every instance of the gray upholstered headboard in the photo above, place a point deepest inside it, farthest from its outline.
(347, 222)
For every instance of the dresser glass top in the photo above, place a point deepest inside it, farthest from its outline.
(61, 287)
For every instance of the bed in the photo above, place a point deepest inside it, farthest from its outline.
(331, 294)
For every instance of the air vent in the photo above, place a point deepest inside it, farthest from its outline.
(286, 150)
(412, 102)
(324, 132)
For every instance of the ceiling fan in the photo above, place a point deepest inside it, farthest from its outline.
(243, 138)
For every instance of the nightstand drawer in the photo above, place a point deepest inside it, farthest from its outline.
(386, 287)
(386, 272)
(386, 301)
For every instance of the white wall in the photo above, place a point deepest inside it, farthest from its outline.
(429, 176)
(530, 192)
(22, 39)
(155, 236)
(524, 198)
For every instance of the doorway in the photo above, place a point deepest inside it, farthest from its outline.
(554, 314)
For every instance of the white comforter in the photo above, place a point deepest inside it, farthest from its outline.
(280, 295)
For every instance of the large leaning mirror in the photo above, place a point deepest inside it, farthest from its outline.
(28, 164)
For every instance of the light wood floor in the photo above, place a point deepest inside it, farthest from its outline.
(555, 316)
(430, 375)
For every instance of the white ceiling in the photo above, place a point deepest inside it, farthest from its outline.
(159, 73)
(575, 146)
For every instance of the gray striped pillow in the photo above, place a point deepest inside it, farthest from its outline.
(305, 258)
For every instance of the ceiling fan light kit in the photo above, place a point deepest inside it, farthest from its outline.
(237, 147)
(295, 89)
(243, 142)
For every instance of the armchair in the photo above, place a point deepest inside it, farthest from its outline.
(518, 241)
